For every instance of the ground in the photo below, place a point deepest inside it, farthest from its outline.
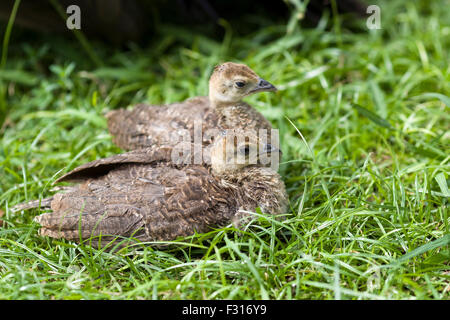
(364, 126)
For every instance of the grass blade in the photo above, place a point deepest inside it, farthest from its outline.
(373, 117)
(444, 241)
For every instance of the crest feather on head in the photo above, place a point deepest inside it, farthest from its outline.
(230, 69)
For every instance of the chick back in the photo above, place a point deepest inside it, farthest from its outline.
(153, 125)
(148, 125)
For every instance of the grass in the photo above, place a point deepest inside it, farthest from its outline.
(364, 126)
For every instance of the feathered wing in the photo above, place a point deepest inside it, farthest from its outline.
(102, 166)
(97, 168)
(148, 203)
(148, 125)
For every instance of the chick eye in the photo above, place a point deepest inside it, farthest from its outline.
(239, 84)
(245, 150)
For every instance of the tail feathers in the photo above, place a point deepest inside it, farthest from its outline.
(41, 203)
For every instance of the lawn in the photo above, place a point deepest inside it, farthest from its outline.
(364, 126)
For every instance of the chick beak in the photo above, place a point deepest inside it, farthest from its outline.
(268, 148)
(263, 85)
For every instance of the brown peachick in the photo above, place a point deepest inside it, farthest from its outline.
(149, 125)
(145, 195)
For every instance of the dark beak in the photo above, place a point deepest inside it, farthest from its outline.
(263, 85)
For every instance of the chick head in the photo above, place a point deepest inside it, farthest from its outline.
(236, 149)
(230, 82)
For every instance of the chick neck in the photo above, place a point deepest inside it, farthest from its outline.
(221, 105)
(257, 186)
(247, 173)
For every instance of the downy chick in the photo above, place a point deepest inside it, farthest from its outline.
(148, 125)
(144, 194)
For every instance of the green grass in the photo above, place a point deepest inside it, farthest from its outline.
(364, 126)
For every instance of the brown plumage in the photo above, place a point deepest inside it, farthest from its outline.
(144, 194)
(148, 125)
